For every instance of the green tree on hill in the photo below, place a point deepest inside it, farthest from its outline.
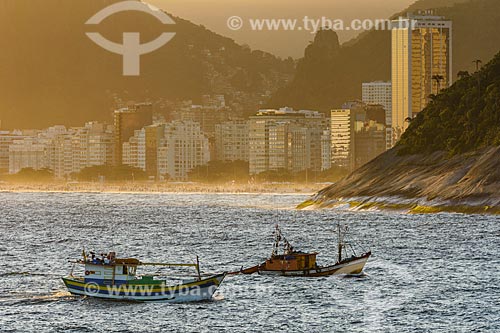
(462, 118)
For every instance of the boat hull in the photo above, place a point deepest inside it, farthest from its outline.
(350, 266)
(188, 292)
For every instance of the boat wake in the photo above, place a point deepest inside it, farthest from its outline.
(361, 275)
(218, 297)
(32, 298)
(7, 274)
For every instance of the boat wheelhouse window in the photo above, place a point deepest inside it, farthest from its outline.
(125, 270)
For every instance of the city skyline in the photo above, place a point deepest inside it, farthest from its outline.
(272, 139)
(228, 126)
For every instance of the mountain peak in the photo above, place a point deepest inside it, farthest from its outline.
(325, 45)
(326, 81)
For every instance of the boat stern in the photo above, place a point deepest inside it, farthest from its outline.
(217, 281)
(354, 266)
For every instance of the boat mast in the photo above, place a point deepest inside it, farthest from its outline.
(198, 268)
(277, 239)
(339, 242)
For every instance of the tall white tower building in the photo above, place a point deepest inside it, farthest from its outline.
(380, 93)
(421, 65)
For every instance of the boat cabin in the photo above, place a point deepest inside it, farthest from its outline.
(113, 272)
(295, 261)
(289, 259)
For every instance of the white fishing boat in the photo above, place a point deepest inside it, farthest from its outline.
(114, 278)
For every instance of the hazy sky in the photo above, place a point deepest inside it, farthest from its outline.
(214, 14)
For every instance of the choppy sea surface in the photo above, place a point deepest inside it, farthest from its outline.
(428, 273)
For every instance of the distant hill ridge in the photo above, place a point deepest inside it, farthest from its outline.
(330, 74)
(51, 73)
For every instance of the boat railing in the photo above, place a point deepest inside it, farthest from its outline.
(135, 262)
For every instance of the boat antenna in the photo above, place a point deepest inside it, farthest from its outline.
(198, 267)
(339, 242)
(277, 239)
(287, 247)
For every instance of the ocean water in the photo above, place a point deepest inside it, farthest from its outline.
(428, 273)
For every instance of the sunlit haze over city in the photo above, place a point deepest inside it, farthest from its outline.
(249, 166)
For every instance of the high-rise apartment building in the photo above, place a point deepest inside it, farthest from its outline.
(7, 138)
(126, 121)
(231, 141)
(134, 150)
(183, 148)
(63, 150)
(208, 116)
(357, 134)
(286, 139)
(380, 93)
(326, 150)
(167, 150)
(27, 153)
(369, 141)
(421, 65)
(342, 138)
(153, 136)
(99, 144)
(81, 147)
(34, 150)
(66, 153)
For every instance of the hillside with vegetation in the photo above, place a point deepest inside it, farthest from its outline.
(447, 160)
(331, 74)
(463, 118)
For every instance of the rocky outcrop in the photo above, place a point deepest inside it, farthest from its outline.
(434, 182)
(448, 158)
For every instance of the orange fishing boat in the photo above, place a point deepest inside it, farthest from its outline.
(290, 262)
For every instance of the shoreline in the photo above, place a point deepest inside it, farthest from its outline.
(163, 188)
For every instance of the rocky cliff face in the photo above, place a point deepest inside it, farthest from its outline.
(433, 182)
(448, 158)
